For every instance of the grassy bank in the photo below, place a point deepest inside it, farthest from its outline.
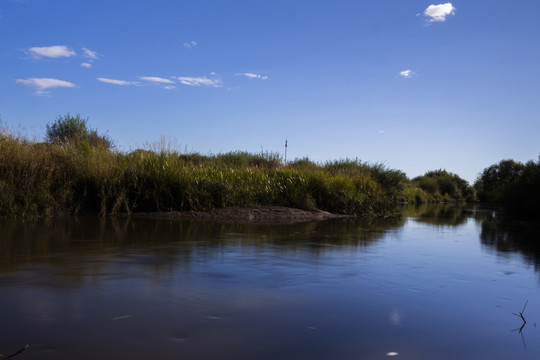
(76, 171)
(38, 179)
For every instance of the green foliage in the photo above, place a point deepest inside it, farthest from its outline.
(75, 172)
(416, 195)
(498, 180)
(441, 186)
(303, 164)
(242, 159)
(393, 182)
(73, 177)
(512, 184)
(71, 130)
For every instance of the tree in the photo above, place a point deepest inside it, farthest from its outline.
(70, 130)
(514, 185)
(497, 181)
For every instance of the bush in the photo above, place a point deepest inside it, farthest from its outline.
(443, 186)
(69, 130)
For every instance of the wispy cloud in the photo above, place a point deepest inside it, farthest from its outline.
(156, 80)
(51, 51)
(407, 74)
(199, 81)
(116, 82)
(438, 13)
(42, 84)
(190, 44)
(254, 76)
(92, 55)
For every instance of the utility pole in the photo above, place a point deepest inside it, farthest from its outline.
(285, 151)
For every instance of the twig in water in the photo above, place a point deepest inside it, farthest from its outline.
(520, 330)
(521, 314)
(14, 354)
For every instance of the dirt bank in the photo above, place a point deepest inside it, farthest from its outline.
(248, 214)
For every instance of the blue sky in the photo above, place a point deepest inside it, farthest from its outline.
(416, 85)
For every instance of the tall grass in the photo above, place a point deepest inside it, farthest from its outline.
(41, 179)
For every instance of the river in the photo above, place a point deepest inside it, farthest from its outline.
(437, 283)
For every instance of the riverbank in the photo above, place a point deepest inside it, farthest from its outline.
(42, 180)
(78, 172)
(252, 214)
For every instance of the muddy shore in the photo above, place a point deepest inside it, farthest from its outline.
(258, 214)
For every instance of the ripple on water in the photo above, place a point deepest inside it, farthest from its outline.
(178, 337)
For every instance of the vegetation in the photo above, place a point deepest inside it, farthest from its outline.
(77, 171)
(512, 184)
(440, 186)
(69, 130)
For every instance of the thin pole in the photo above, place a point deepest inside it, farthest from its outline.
(285, 151)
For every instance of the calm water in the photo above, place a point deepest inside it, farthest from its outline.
(439, 283)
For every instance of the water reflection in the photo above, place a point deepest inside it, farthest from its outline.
(449, 215)
(507, 236)
(169, 242)
(345, 289)
(501, 233)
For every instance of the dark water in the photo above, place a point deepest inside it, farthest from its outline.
(439, 283)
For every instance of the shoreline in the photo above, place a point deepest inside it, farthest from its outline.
(251, 214)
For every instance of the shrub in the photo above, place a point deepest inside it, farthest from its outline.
(71, 130)
(443, 186)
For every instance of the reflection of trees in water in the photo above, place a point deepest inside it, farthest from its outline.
(510, 236)
(81, 248)
(440, 215)
(503, 234)
(316, 237)
(162, 245)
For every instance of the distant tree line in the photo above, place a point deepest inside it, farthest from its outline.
(512, 184)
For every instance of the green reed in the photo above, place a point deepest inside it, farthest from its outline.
(41, 179)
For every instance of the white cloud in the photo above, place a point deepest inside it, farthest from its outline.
(42, 84)
(169, 87)
(198, 81)
(190, 44)
(51, 51)
(86, 65)
(115, 82)
(90, 54)
(407, 74)
(156, 80)
(438, 13)
(254, 76)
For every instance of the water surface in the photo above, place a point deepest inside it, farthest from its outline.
(438, 283)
